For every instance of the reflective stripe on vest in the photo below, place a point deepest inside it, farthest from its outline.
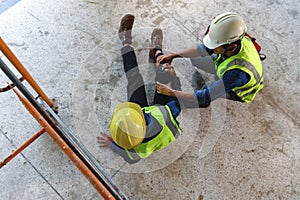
(132, 154)
(165, 130)
(249, 66)
(169, 122)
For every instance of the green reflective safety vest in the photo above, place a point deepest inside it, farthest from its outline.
(164, 130)
(248, 61)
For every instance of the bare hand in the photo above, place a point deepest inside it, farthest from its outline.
(104, 140)
(164, 89)
(167, 58)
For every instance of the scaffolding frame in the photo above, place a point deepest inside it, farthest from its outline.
(44, 112)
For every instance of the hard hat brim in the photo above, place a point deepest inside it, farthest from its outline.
(208, 42)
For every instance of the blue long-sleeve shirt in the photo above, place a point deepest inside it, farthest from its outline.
(219, 88)
(231, 79)
(174, 107)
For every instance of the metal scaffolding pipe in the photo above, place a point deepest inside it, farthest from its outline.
(66, 141)
(22, 147)
(18, 65)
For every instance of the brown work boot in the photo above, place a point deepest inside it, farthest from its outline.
(156, 42)
(125, 29)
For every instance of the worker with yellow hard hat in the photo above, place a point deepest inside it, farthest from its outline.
(128, 125)
(136, 128)
(227, 53)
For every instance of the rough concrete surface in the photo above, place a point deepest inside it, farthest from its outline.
(228, 151)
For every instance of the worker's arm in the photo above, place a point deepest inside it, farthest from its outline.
(217, 89)
(188, 53)
(105, 140)
(231, 79)
(200, 50)
(166, 90)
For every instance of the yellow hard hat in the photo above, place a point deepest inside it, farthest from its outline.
(128, 125)
(225, 29)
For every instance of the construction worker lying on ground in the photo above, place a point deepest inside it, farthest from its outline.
(137, 129)
(228, 53)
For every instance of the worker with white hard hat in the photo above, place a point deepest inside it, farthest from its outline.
(228, 53)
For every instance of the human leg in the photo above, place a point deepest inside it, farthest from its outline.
(156, 51)
(162, 76)
(165, 78)
(135, 84)
(135, 87)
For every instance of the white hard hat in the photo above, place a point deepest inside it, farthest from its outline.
(225, 29)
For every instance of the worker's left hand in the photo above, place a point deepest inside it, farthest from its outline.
(104, 140)
(164, 89)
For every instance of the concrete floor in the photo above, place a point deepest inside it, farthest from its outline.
(228, 151)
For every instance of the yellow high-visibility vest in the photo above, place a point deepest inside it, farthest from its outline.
(249, 62)
(165, 128)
